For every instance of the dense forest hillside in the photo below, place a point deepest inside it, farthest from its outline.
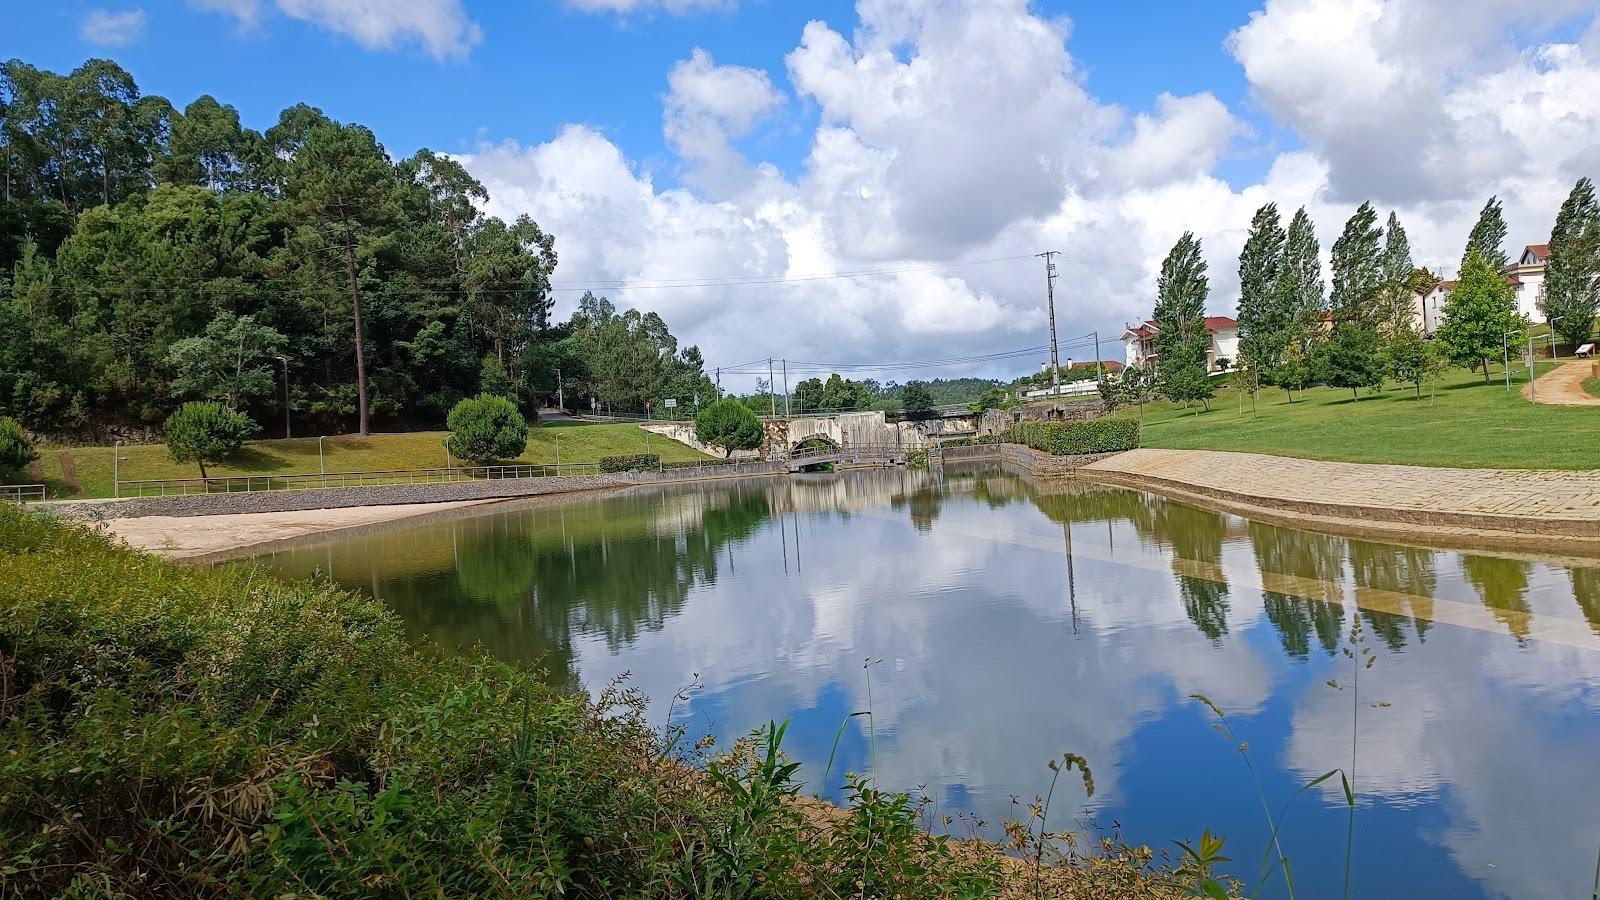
(151, 255)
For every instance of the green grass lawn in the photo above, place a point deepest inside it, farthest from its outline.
(1591, 386)
(89, 468)
(1463, 423)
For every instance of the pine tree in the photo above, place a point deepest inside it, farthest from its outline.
(1357, 277)
(1478, 314)
(1298, 293)
(1180, 317)
(1487, 237)
(1398, 300)
(1263, 325)
(1572, 276)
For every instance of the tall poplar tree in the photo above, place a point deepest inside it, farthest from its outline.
(1487, 236)
(1300, 292)
(1180, 317)
(1263, 324)
(1397, 299)
(1357, 276)
(1572, 276)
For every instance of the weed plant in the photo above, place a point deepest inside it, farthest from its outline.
(168, 731)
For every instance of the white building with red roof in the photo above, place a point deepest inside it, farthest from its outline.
(1526, 277)
(1139, 343)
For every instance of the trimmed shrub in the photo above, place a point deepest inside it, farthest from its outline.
(202, 432)
(16, 451)
(730, 425)
(633, 462)
(1076, 438)
(486, 428)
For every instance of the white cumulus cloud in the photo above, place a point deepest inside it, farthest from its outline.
(953, 140)
(441, 27)
(112, 29)
(674, 7)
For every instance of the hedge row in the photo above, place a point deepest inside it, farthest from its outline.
(632, 462)
(701, 463)
(968, 442)
(1076, 438)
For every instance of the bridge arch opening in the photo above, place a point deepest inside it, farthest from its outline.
(814, 443)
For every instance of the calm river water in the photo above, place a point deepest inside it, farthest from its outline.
(1017, 619)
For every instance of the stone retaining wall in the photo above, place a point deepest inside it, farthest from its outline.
(1035, 461)
(704, 473)
(329, 498)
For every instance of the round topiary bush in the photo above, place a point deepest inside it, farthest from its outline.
(730, 425)
(486, 428)
(16, 451)
(205, 432)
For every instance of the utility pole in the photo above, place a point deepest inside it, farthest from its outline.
(1533, 392)
(1050, 294)
(561, 401)
(1098, 375)
(786, 389)
(771, 397)
(719, 381)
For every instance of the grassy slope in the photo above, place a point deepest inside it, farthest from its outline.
(1465, 423)
(347, 453)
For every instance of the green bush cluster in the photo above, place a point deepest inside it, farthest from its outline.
(1076, 438)
(16, 451)
(202, 432)
(972, 441)
(632, 462)
(486, 428)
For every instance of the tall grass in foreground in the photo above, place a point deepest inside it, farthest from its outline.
(177, 732)
(1275, 860)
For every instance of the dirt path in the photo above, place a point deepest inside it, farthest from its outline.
(1563, 386)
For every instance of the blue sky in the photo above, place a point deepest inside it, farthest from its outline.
(690, 139)
(541, 65)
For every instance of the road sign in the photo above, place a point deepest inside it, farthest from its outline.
(671, 403)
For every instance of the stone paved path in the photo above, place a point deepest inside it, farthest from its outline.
(1563, 386)
(1531, 494)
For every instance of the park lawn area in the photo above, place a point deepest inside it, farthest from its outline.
(1591, 386)
(1464, 423)
(86, 471)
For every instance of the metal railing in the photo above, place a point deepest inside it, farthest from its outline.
(854, 452)
(228, 484)
(21, 493)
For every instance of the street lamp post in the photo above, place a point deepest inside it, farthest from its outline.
(116, 468)
(322, 468)
(558, 453)
(285, 361)
(1552, 323)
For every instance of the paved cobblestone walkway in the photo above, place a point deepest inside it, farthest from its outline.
(1533, 494)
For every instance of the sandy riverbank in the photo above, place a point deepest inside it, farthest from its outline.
(191, 537)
